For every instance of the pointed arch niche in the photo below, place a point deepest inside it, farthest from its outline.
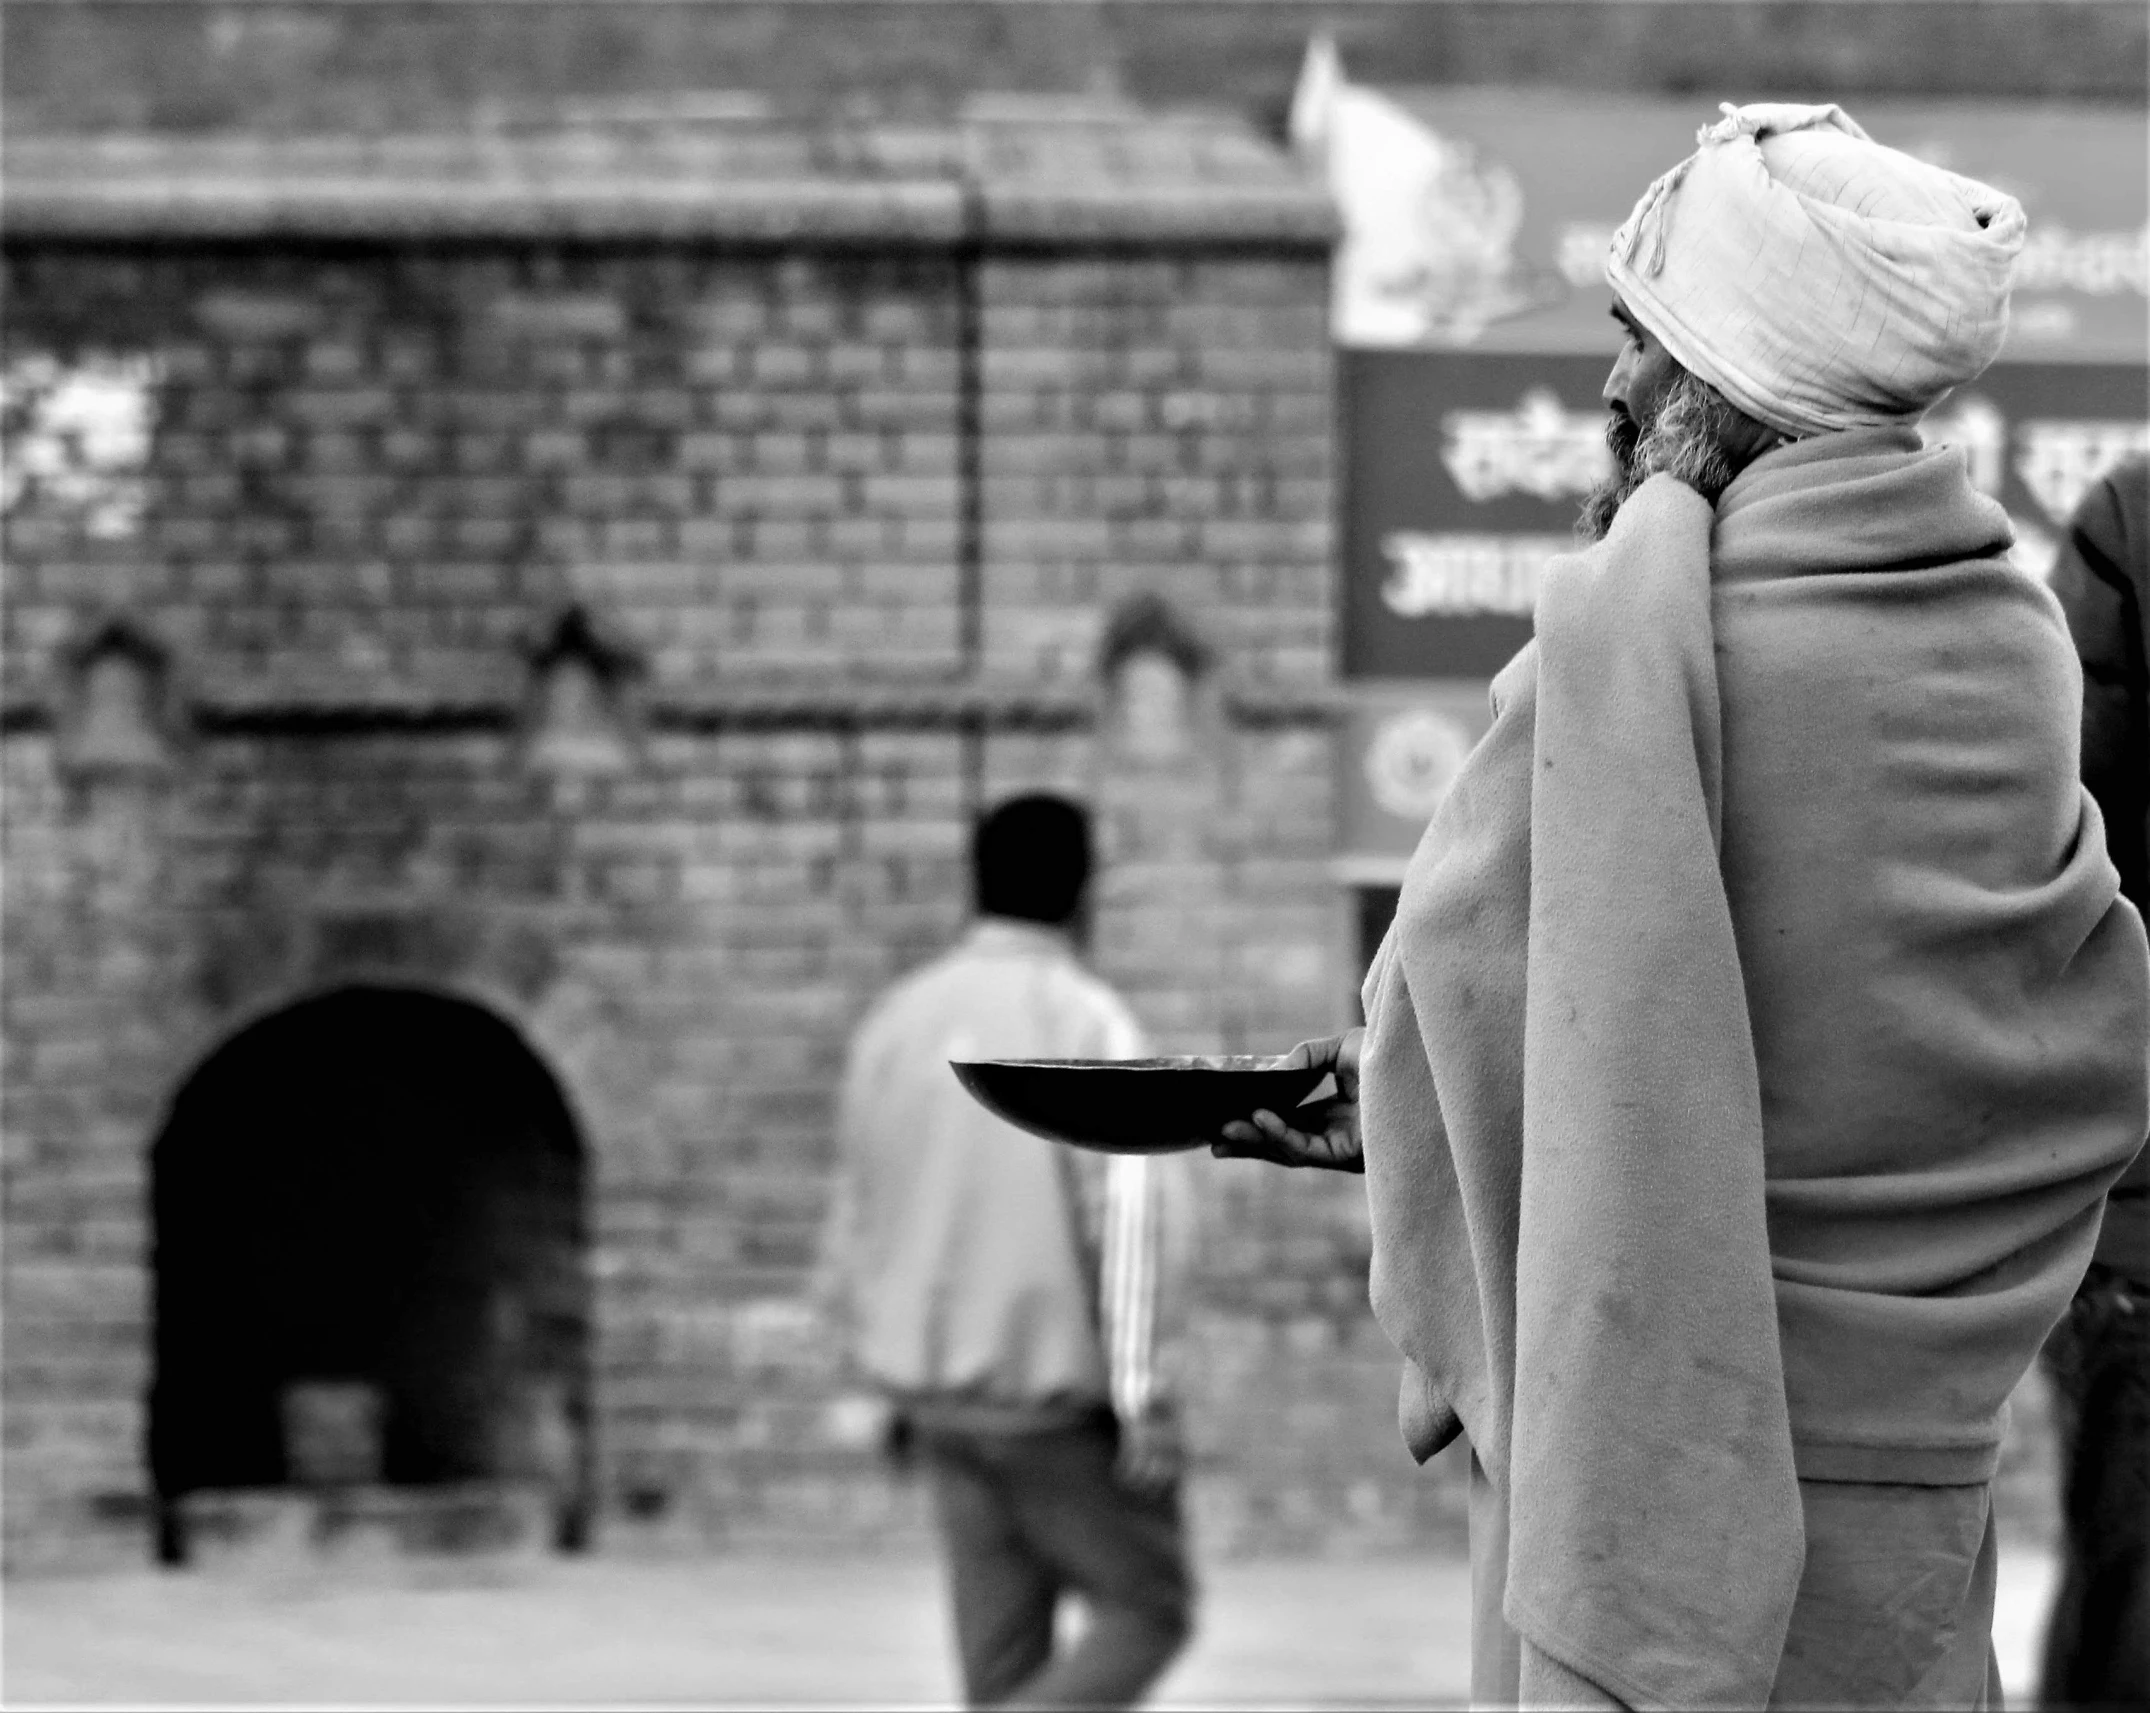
(369, 1231)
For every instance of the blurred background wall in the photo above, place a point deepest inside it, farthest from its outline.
(529, 528)
(302, 65)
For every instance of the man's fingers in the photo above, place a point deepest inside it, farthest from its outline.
(1262, 1134)
(1276, 1153)
(1267, 1137)
(1293, 1147)
(1283, 1135)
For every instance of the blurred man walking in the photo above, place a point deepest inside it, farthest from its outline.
(1009, 1295)
(2098, 1643)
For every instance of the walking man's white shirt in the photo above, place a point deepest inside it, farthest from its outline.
(975, 1262)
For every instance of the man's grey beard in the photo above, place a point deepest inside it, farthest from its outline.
(1688, 438)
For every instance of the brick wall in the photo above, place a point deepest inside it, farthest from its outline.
(837, 527)
(374, 473)
(302, 65)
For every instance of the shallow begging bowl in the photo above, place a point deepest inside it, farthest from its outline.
(1135, 1106)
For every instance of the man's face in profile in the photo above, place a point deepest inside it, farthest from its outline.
(1663, 419)
(1641, 376)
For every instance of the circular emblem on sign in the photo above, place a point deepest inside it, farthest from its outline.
(1413, 759)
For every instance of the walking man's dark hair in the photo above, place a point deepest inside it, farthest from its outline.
(1030, 859)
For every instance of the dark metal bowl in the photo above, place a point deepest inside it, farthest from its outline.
(1134, 1106)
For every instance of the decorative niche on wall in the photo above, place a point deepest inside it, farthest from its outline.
(579, 720)
(116, 717)
(1154, 667)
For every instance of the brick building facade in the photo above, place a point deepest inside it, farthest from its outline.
(503, 638)
(503, 629)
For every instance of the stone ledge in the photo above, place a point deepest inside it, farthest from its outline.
(772, 707)
(1163, 217)
(1154, 181)
(176, 203)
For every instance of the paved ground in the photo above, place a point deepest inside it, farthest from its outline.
(733, 1631)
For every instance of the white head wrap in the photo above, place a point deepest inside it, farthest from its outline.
(1815, 278)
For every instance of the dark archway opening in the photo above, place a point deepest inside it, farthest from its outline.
(369, 1236)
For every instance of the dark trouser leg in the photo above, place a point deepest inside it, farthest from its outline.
(1123, 1551)
(1002, 1592)
(2097, 1651)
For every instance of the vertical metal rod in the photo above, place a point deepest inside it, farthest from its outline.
(973, 764)
(969, 256)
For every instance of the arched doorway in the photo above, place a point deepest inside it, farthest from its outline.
(374, 1197)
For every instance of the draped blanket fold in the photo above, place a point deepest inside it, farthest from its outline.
(1758, 1035)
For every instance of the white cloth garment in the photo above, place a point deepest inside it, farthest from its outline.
(975, 1264)
(1817, 279)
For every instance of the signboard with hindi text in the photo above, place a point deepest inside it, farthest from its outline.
(1467, 471)
(1475, 337)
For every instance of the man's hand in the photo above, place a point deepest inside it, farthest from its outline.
(1152, 1453)
(1330, 1138)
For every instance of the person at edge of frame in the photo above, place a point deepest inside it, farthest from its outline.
(1762, 1025)
(2097, 1647)
(1017, 1301)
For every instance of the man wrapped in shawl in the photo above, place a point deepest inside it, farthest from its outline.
(1762, 1025)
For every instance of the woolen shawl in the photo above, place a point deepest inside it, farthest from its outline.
(1757, 1037)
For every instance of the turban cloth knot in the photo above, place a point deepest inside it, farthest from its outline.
(1817, 279)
